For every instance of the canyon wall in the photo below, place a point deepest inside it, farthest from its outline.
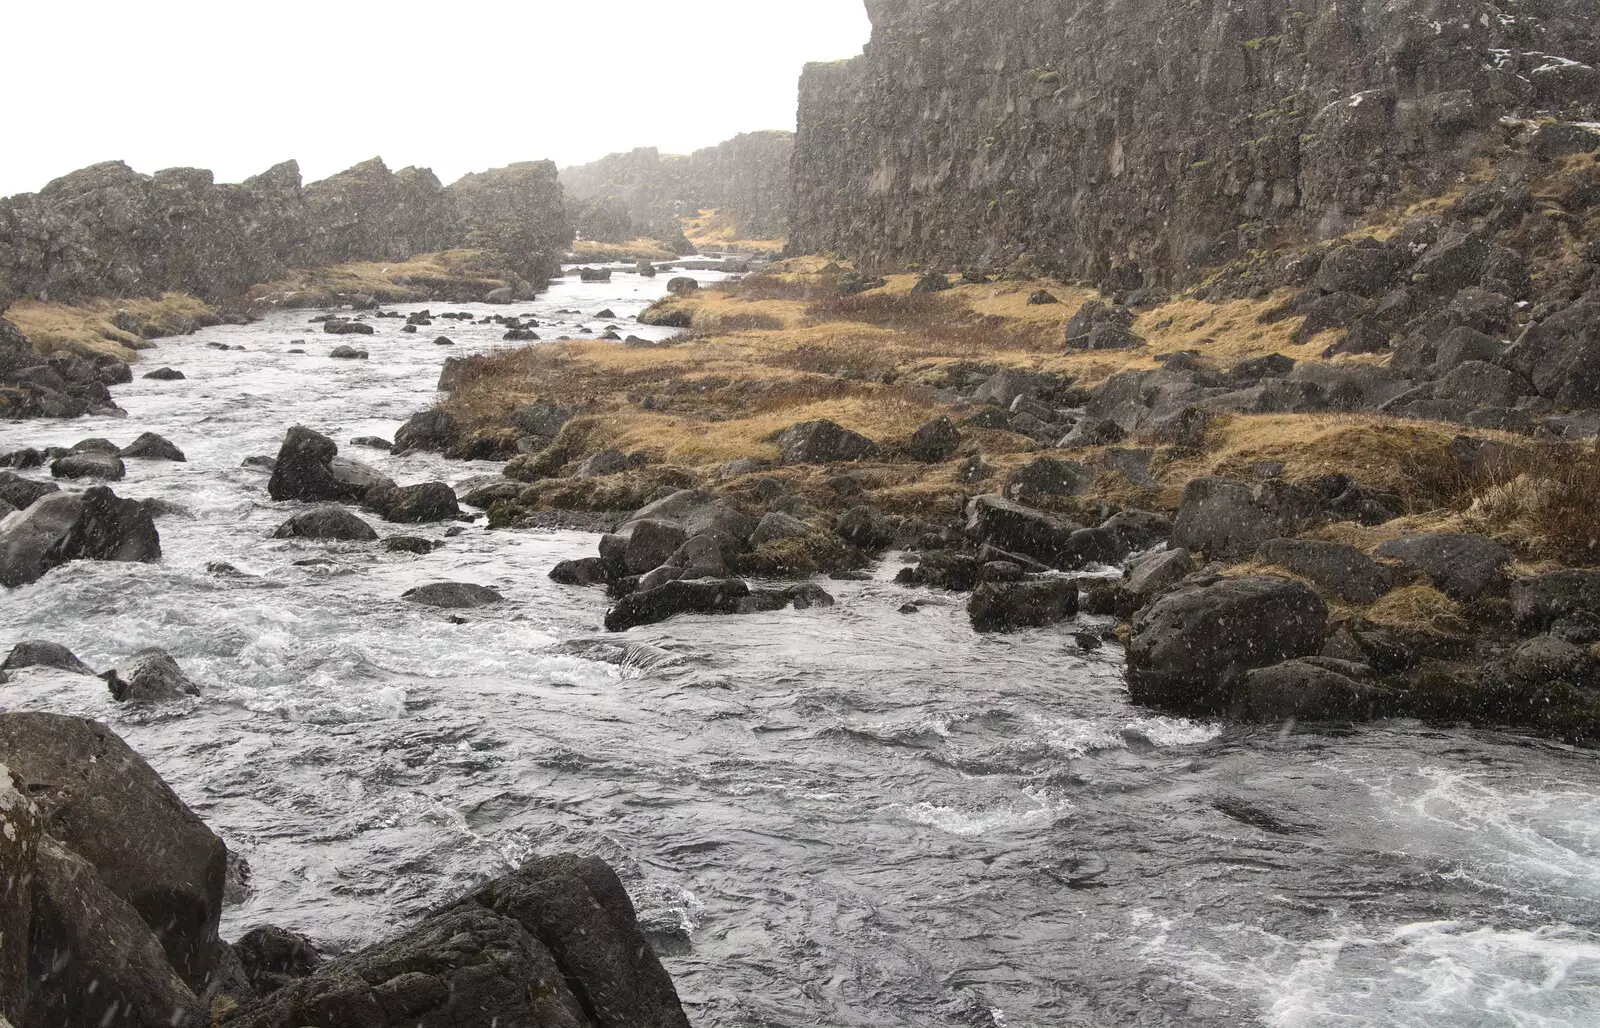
(745, 178)
(107, 230)
(1132, 141)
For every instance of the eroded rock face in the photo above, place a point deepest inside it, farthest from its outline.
(1192, 646)
(107, 230)
(1131, 149)
(100, 799)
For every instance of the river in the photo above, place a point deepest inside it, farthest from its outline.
(847, 816)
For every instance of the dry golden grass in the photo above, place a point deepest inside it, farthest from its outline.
(592, 250)
(90, 328)
(1419, 610)
(420, 278)
(712, 230)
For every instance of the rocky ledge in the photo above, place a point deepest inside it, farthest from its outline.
(111, 892)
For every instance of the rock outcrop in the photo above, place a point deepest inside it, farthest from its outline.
(644, 192)
(107, 230)
(1133, 145)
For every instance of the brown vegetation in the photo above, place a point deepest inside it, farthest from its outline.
(116, 328)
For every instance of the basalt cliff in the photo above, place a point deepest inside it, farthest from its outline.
(645, 192)
(1144, 140)
(108, 231)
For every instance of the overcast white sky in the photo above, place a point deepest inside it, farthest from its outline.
(455, 85)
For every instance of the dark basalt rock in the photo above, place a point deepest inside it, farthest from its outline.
(1009, 606)
(411, 544)
(453, 595)
(37, 653)
(1463, 566)
(273, 957)
(339, 327)
(1303, 690)
(23, 493)
(308, 468)
(430, 430)
(935, 442)
(1540, 602)
(675, 598)
(1191, 646)
(823, 442)
(165, 375)
(326, 523)
(100, 799)
(1012, 527)
(150, 446)
(556, 943)
(90, 464)
(1340, 569)
(1225, 518)
(586, 571)
(149, 676)
(414, 504)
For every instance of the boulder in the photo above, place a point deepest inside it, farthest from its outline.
(941, 569)
(778, 525)
(1101, 326)
(372, 442)
(695, 511)
(865, 528)
(431, 430)
(106, 466)
(1463, 566)
(801, 597)
(935, 442)
(356, 478)
(100, 799)
(150, 446)
(586, 571)
(1015, 528)
(1227, 519)
(23, 493)
(453, 595)
(699, 557)
(27, 537)
(164, 375)
(1191, 646)
(340, 327)
(710, 596)
(1538, 603)
(1047, 476)
(1544, 659)
(680, 286)
(149, 676)
(1560, 356)
(823, 442)
(38, 653)
(411, 544)
(1362, 270)
(1336, 568)
(556, 943)
(95, 962)
(413, 504)
(93, 525)
(95, 445)
(651, 543)
(1042, 297)
(1302, 690)
(1010, 606)
(272, 957)
(931, 282)
(326, 523)
(19, 849)
(348, 353)
(1482, 384)
(304, 470)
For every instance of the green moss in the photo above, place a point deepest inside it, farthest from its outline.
(1049, 78)
(1262, 42)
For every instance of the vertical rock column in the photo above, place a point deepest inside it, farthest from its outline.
(19, 846)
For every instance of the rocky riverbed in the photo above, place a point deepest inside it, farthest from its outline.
(847, 814)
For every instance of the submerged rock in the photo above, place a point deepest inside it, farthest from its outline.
(453, 595)
(674, 598)
(38, 653)
(326, 523)
(149, 676)
(150, 446)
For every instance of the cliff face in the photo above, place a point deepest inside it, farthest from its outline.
(746, 178)
(109, 231)
(1142, 139)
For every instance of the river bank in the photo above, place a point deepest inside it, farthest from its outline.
(847, 813)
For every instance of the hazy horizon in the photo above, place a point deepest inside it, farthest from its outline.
(363, 85)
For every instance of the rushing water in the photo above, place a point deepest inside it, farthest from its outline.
(847, 816)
